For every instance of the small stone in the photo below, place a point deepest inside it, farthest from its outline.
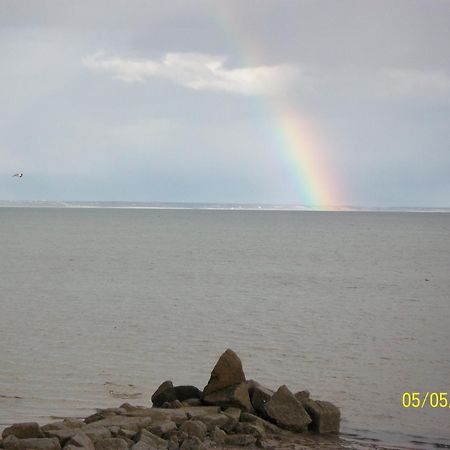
(81, 439)
(214, 420)
(227, 372)
(130, 423)
(268, 427)
(251, 428)
(234, 413)
(151, 439)
(102, 414)
(129, 434)
(141, 446)
(97, 433)
(173, 445)
(23, 430)
(194, 428)
(111, 444)
(62, 434)
(72, 423)
(241, 440)
(302, 396)
(218, 435)
(160, 428)
(192, 443)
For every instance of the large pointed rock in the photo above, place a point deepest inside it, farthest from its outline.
(286, 411)
(227, 372)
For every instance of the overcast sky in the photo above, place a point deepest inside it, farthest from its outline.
(175, 100)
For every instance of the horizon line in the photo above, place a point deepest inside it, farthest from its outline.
(229, 206)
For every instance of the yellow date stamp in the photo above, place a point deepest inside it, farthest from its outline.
(425, 399)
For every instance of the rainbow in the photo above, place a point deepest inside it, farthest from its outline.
(296, 142)
(294, 138)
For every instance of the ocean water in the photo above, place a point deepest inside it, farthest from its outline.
(98, 306)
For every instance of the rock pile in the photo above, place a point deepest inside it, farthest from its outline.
(230, 411)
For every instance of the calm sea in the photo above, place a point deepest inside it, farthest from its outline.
(98, 306)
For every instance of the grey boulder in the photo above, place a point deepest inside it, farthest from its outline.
(23, 430)
(325, 416)
(286, 411)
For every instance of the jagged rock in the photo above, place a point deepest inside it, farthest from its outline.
(81, 439)
(218, 435)
(129, 434)
(11, 442)
(241, 440)
(198, 411)
(173, 445)
(62, 434)
(23, 430)
(111, 444)
(302, 396)
(72, 423)
(194, 428)
(160, 428)
(142, 446)
(96, 433)
(135, 411)
(325, 416)
(151, 440)
(103, 414)
(259, 396)
(254, 429)
(62, 424)
(192, 443)
(236, 395)
(286, 411)
(172, 393)
(234, 413)
(215, 420)
(227, 372)
(267, 426)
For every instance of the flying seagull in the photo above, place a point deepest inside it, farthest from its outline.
(18, 175)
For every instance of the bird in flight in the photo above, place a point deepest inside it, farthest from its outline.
(18, 175)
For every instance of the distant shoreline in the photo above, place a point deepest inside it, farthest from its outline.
(211, 206)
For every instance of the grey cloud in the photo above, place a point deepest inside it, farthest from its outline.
(199, 72)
